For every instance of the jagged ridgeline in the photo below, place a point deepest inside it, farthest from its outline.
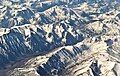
(53, 37)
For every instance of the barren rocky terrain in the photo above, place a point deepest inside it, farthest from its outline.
(59, 37)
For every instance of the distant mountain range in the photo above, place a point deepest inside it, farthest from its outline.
(59, 37)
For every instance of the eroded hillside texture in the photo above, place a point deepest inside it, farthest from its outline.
(59, 37)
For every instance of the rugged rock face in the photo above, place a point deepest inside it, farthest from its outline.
(59, 37)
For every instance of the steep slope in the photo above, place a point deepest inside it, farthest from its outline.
(33, 38)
